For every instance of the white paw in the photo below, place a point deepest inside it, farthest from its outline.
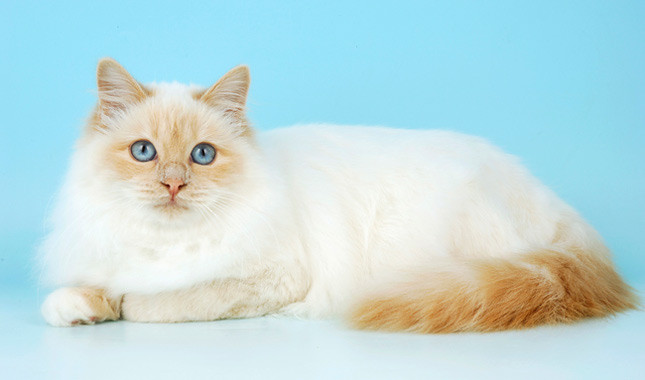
(69, 307)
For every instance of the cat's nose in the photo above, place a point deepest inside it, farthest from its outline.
(173, 185)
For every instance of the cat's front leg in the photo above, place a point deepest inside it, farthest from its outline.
(73, 306)
(227, 298)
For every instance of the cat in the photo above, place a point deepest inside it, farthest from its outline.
(175, 209)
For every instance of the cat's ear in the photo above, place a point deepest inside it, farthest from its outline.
(229, 93)
(117, 88)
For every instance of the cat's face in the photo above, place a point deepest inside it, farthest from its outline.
(171, 149)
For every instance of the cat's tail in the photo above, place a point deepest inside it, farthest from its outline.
(542, 287)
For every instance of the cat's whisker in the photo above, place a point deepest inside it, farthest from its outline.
(85, 218)
(240, 227)
(244, 202)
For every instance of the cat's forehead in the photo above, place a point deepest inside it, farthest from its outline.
(173, 113)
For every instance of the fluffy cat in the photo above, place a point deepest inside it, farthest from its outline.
(174, 209)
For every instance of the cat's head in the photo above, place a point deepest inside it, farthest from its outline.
(169, 149)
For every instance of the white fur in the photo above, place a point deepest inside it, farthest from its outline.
(67, 306)
(350, 204)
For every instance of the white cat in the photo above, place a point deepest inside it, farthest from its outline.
(175, 209)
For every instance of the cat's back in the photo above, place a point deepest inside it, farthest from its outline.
(378, 150)
(357, 136)
(372, 191)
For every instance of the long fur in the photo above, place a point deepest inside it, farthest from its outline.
(541, 287)
(429, 231)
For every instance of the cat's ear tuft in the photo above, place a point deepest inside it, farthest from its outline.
(229, 93)
(117, 88)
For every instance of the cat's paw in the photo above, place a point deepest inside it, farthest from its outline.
(74, 306)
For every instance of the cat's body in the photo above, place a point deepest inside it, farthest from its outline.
(420, 230)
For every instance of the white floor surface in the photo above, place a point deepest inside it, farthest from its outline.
(281, 348)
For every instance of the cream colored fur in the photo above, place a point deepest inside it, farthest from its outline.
(306, 220)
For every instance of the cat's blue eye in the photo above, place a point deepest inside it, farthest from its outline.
(203, 154)
(143, 151)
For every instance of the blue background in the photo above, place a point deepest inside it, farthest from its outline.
(560, 84)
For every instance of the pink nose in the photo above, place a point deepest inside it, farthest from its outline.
(173, 185)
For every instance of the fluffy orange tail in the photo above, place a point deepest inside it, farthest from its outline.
(544, 287)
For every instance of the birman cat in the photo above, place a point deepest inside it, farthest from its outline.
(175, 209)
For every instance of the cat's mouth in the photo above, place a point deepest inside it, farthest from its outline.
(172, 204)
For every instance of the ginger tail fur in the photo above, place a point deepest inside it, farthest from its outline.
(542, 287)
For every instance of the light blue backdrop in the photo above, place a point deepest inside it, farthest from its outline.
(561, 84)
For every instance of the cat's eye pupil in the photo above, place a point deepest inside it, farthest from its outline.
(203, 154)
(143, 151)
